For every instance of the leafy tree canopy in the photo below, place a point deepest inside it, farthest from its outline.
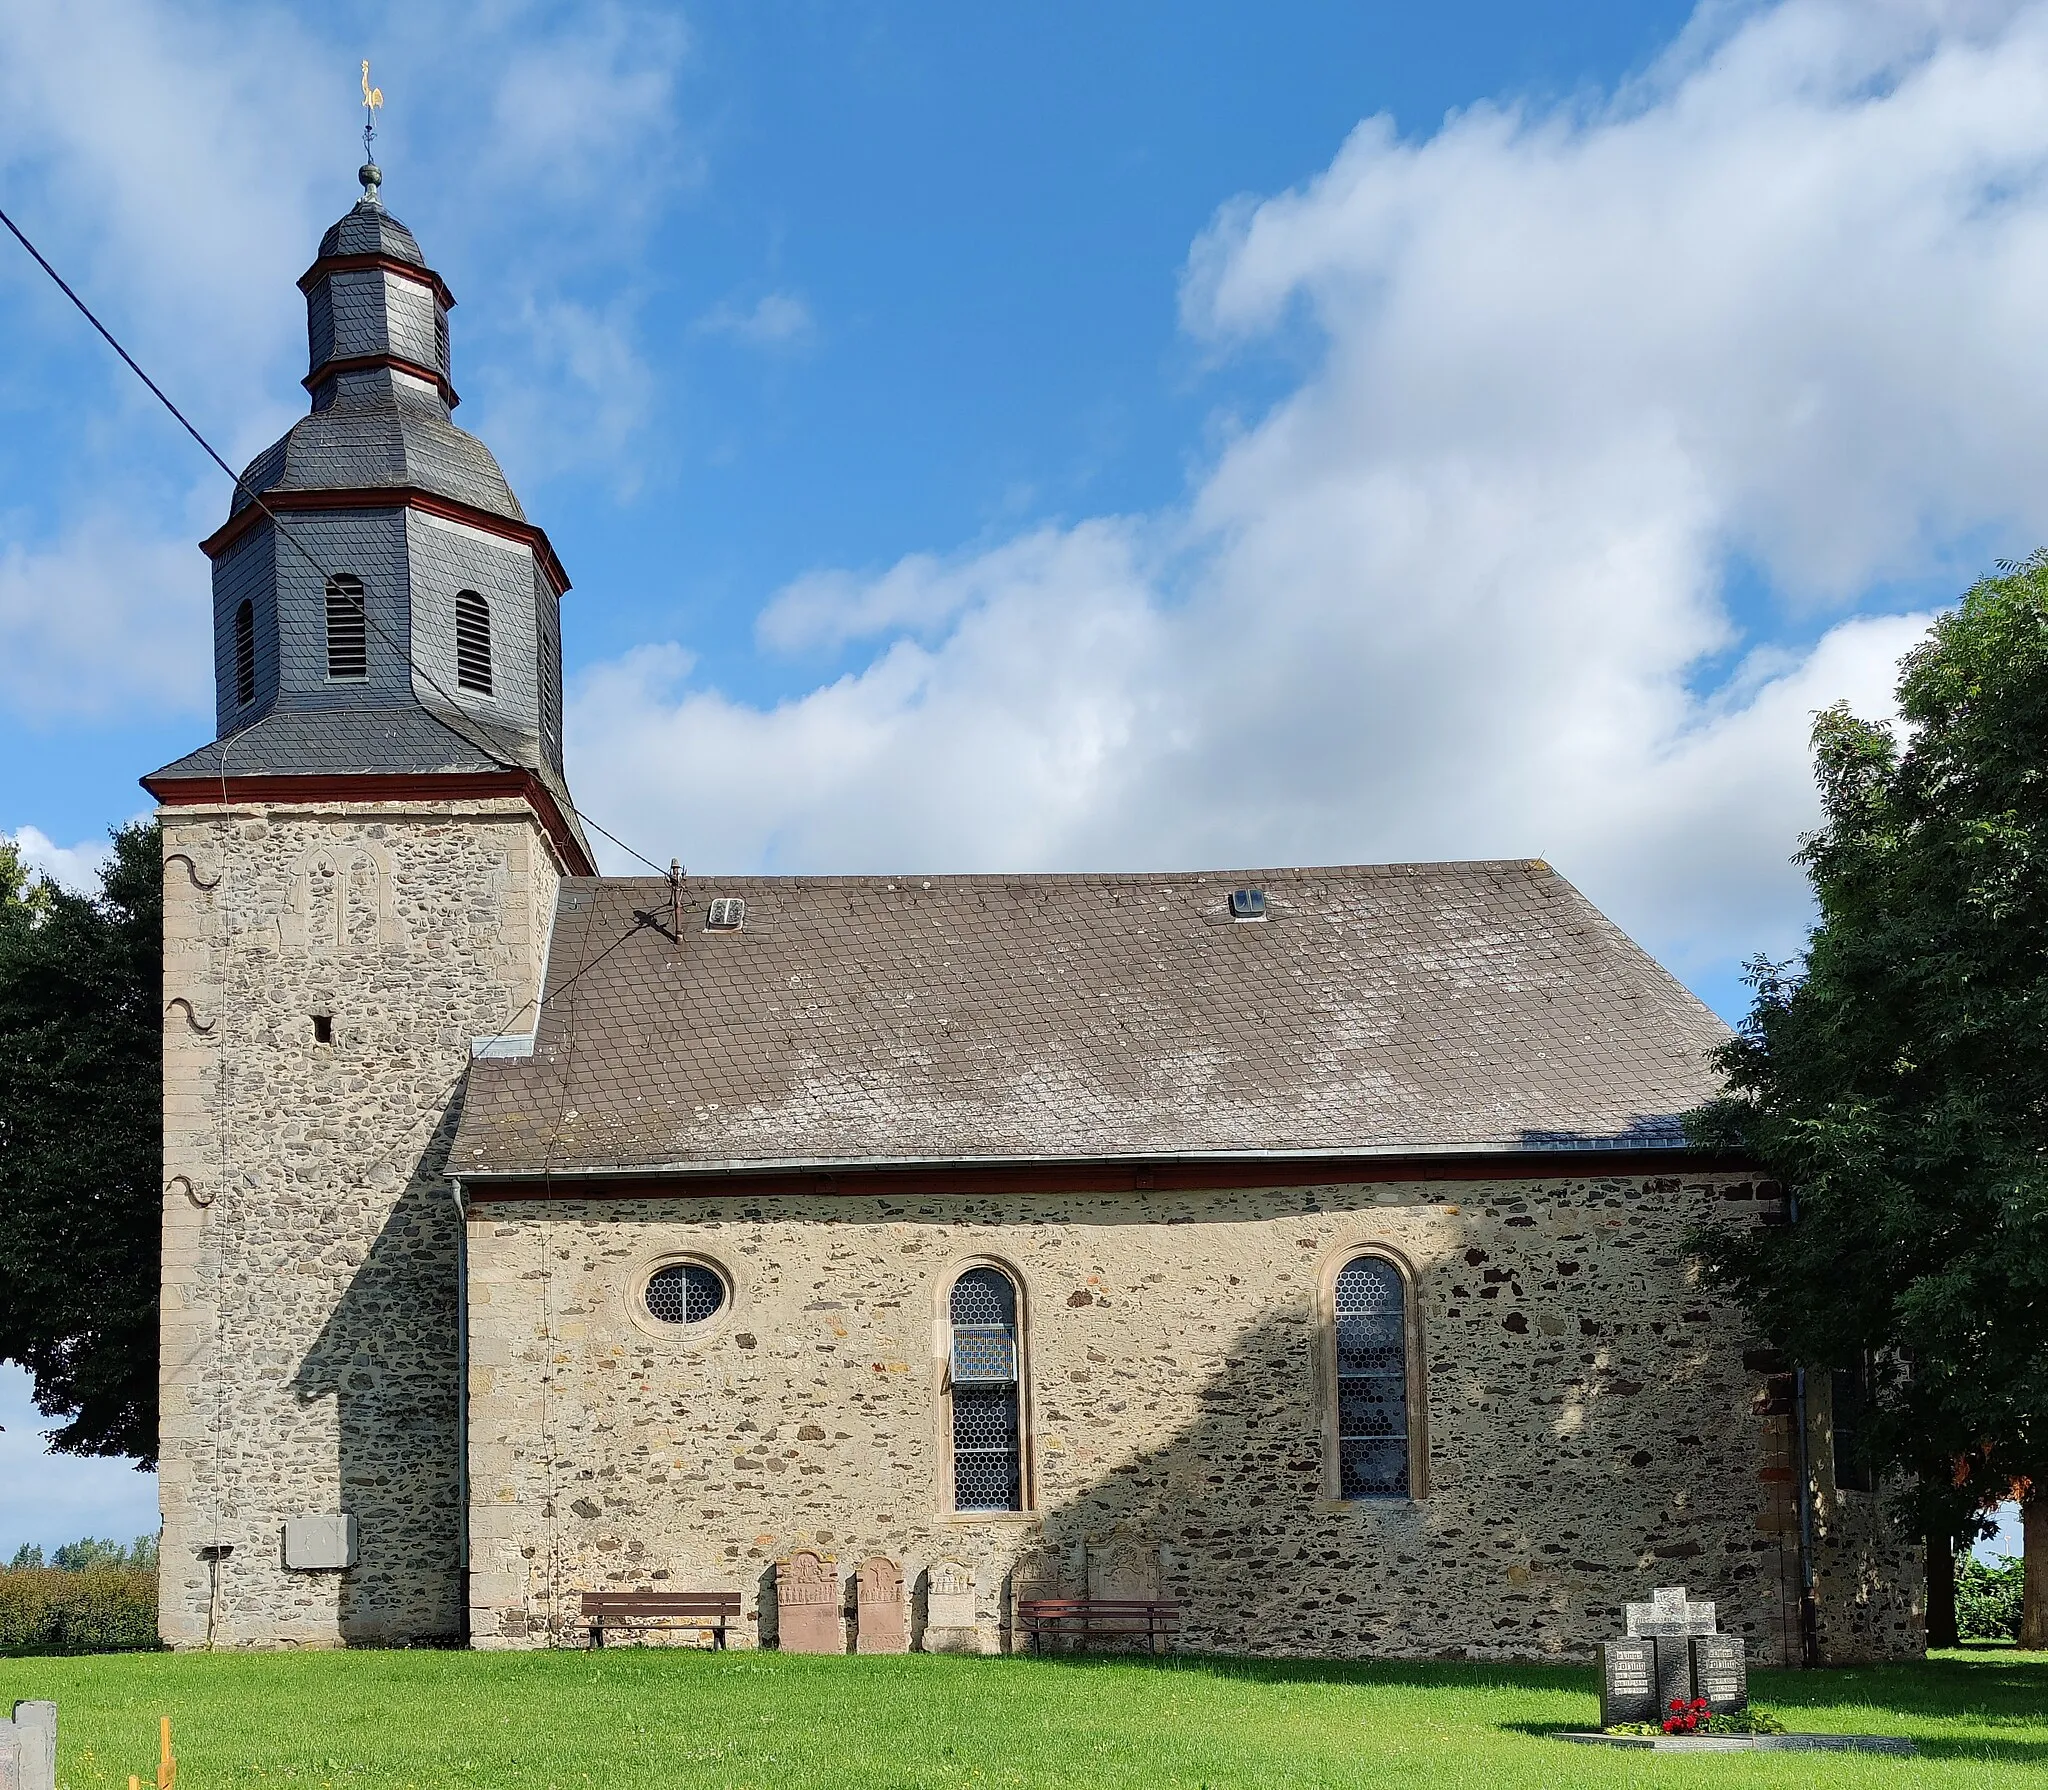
(81, 1146)
(1899, 1085)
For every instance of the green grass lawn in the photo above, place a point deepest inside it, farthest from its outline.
(629, 1717)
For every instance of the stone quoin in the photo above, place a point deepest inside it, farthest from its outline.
(1302, 1246)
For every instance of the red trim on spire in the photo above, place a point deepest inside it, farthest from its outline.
(408, 786)
(405, 270)
(392, 497)
(358, 363)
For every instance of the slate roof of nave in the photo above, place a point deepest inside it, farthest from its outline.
(983, 1018)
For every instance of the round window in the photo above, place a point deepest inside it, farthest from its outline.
(685, 1293)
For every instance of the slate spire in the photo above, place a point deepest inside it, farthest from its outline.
(409, 623)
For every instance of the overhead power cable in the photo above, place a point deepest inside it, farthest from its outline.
(485, 744)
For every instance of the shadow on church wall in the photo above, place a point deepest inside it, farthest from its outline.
(387, 1357)
(1526, 1545)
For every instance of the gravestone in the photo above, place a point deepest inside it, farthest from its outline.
(1123, 1564)
(1671, 1621)
(1674, 1671)
(1628, 1681)
(883, 1625)
(949, 1619)
(1720, 1673)
(35, 1730)
(808, 1603)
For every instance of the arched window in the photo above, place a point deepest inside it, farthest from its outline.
(245, 654)
(472, 642)
(984, 1374)
(1370, 1310)
(348, 628)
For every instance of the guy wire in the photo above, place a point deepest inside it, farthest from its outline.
(485, 744)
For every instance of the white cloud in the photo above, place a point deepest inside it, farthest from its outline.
(74, 867)
(178, 164)
(1459, 594)
(590, 396)
(104, 621)
(776, 320)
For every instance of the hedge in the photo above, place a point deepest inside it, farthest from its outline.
(106, 1610)
(1988, 1600)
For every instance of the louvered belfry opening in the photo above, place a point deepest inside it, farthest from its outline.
(1372, 1379)
(245, 654)
(348, 630)
(988, 1465)
(472, 642)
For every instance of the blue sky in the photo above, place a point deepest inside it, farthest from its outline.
(1101, 436)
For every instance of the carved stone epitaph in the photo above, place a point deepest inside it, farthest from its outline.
(883, 1627)
(808, 1605)
(1628, 1681)
(1720, 1672)
(949, 1619)
(1124, 1564)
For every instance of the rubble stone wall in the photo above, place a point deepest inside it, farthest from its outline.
(309, 1330)
(1593, 1429)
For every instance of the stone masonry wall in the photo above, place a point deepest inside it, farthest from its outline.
(310, 1241)
(1592, 1428)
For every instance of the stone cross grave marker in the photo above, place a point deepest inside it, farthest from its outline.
(807, 1604)
(1669, 1612)
(1720, 1673)
(883, 1628)
(1628, 1681)
(1671, 1622)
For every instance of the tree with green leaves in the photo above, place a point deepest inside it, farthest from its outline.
(81, 1148)
(1898, 1082)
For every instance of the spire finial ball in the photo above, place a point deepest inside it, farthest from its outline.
(372, 178)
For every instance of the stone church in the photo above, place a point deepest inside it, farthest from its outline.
(1300, 1246)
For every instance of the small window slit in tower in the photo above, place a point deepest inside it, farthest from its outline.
(323, 1028)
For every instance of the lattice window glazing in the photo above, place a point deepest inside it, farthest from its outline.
(348, 628)
(245, 654)
(472, 642)
(988, 1459)
(1372, 1380)
(685, 1293)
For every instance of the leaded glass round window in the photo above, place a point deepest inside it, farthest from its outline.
(685, 1293)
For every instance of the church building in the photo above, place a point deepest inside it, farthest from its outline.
(1301, 1247)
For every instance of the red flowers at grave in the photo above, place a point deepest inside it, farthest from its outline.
(1686, 1718)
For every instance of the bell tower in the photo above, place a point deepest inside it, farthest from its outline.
(359, 876)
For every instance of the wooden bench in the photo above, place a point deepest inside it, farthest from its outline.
(712, 1611)
(1086, 1618)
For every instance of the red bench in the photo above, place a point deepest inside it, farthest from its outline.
(710, 1611)
(1083, 1619)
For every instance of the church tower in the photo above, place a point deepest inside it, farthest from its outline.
(359, 875)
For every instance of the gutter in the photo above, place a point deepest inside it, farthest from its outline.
(831, 1165)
